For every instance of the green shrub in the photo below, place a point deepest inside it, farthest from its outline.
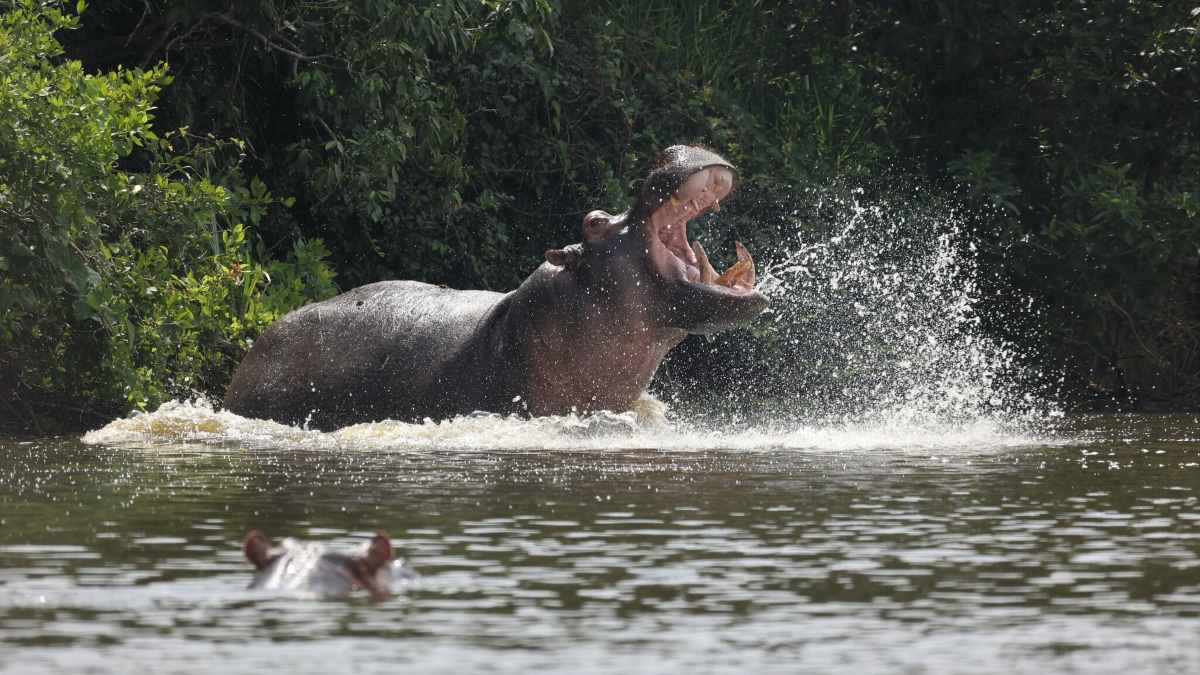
(118, 288)
(180, 326)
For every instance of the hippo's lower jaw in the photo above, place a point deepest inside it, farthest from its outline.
(697, 307)
(704, 306)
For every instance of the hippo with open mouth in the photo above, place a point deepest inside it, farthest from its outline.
(309, 568)
(586, 331)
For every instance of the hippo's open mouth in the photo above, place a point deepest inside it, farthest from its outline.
(702, 300)
(691, 263)
(687, 261)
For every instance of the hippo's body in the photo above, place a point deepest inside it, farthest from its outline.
(585, 331)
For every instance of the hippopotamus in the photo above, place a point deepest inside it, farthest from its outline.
(296, 566)
(584, 332)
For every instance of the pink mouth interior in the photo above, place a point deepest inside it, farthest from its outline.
(674, 237)
(691, 259)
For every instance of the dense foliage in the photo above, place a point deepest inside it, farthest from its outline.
(119, 288)
(1079, 120)
(454, 140)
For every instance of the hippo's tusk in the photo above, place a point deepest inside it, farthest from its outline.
(742, 274)
(744, 256)
(708, 275)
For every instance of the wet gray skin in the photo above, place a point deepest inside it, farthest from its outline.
(309, 568)
(585, 331)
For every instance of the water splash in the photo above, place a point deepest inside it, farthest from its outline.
(875, 322)
(875, 312)
(183, 423)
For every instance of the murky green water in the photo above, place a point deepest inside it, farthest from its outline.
(803, 550)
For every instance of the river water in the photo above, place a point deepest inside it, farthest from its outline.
(603, 545)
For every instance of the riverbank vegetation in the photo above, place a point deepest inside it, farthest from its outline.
(174, 174)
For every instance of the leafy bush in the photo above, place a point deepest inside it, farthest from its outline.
(118, 288)
(181, 326)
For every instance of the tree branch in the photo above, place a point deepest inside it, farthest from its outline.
(262, 38)
(145, 13)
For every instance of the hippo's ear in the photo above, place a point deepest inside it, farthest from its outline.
(257, 548)
(568, 256)
(597, 225)
(379, 552)
(364, 569)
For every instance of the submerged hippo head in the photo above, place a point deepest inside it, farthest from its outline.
(295, 566)
(646, 252)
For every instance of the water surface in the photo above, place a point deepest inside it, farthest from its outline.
(601, 546)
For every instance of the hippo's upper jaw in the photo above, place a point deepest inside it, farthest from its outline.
(701, 301)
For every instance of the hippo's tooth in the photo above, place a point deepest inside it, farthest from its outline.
(707, 274)
(744, 255)
(734, 274)
(742, 274)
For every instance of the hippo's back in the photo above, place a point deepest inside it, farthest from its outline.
(378, 351)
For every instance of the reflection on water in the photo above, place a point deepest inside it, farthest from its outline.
(597, 546)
